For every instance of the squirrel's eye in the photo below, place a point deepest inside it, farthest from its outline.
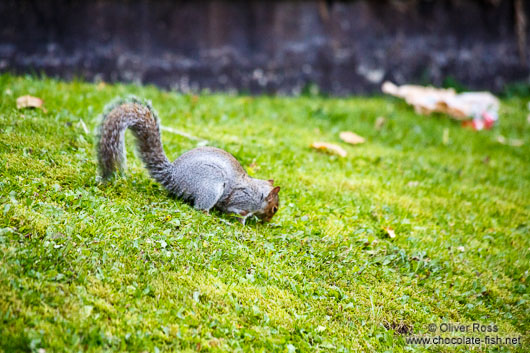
(274, 209)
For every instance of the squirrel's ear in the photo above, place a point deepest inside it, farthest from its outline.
(273, 192)
(271, 181)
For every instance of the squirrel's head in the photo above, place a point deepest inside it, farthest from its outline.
(270, 203)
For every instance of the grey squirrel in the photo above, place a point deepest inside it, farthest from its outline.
(205, 177)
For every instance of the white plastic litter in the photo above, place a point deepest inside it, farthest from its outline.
(476, 109)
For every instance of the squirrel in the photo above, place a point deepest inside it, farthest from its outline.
(205, 177)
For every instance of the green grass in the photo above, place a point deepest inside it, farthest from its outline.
(123, 267)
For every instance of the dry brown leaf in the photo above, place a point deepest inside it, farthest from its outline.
(329, 147)
(352, 138)
(29, 102)
(390, 232)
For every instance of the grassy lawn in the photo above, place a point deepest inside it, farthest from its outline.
(124, 267)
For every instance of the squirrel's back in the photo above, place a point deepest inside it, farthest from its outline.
(206, 164)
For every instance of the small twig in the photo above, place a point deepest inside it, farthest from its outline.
(520, 28)
(83, 126)
(182, 133)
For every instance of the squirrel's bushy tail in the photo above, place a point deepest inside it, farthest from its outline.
(141, 118)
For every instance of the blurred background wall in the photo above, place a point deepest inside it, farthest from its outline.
(270, 46)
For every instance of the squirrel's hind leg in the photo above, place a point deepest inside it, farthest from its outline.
(208, 196)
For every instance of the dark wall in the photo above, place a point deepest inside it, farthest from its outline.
(264, 46)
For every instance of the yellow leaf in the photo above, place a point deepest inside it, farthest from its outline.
(352, 138)
(390, 232)
(330, 148)
(29, 102)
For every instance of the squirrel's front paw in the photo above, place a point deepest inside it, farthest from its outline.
(244, 215)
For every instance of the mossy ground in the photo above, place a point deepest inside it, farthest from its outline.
(123, 267)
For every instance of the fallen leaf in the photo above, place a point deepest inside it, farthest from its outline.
(329, 147)
(352, 138)
(29, 102)
(390, 232)
(379, 122)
